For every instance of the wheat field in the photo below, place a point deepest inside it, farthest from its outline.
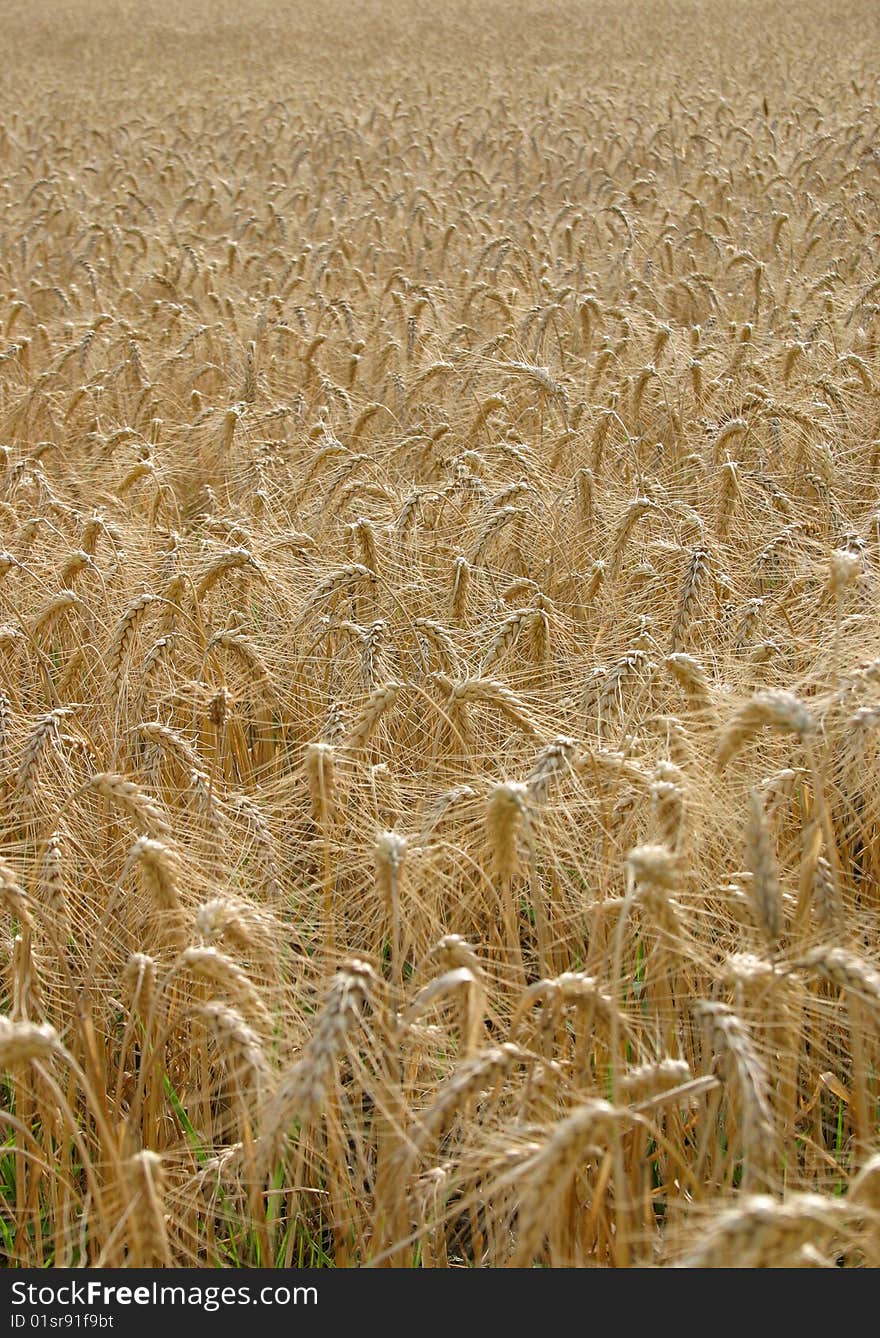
(439, 643)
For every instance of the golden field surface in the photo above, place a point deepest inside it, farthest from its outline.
(439, 643)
